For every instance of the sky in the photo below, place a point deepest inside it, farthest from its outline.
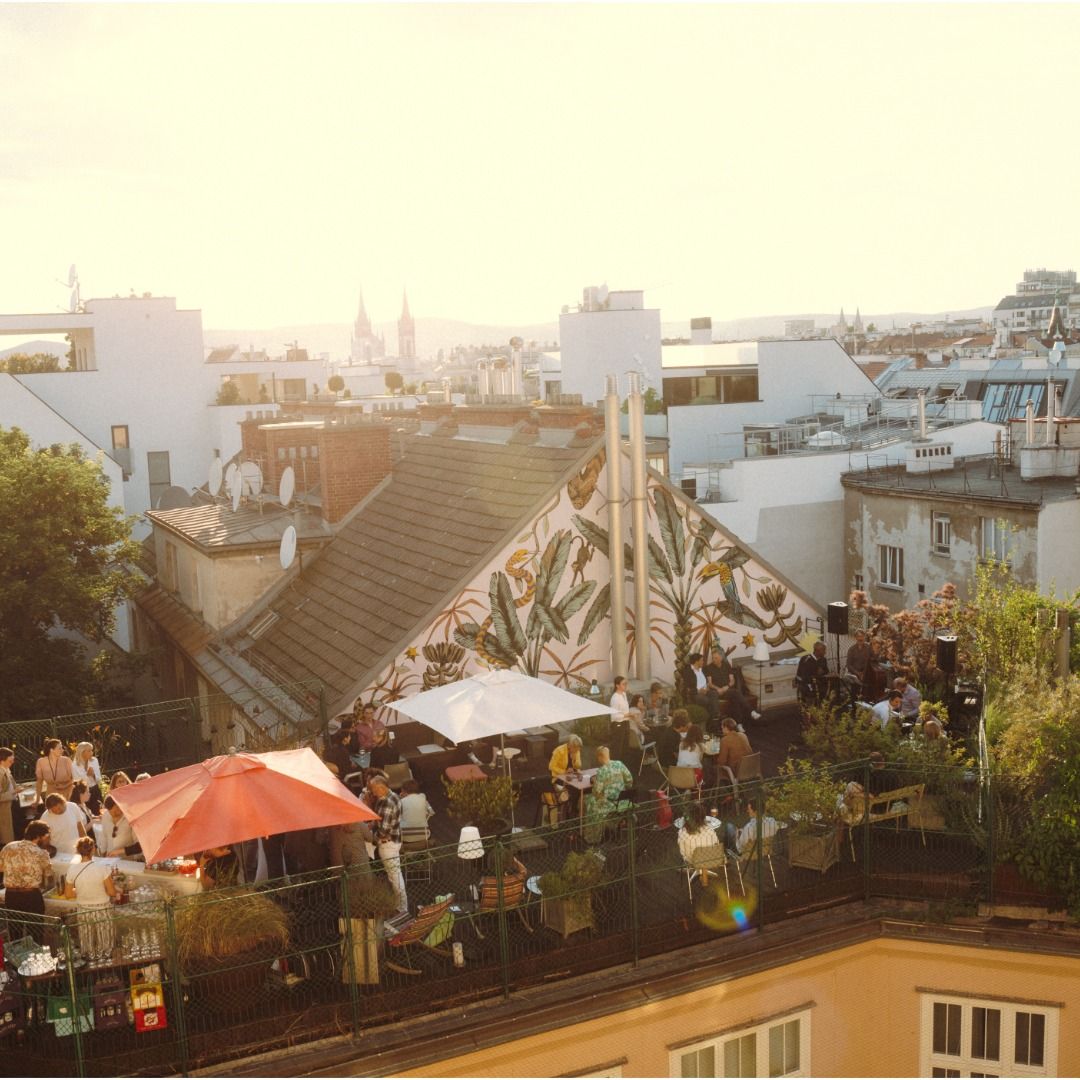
(265, 162)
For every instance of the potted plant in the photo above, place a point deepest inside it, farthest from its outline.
(371, 900)
(226, 941)
(807, 798)
(567, 893)
(487, 804)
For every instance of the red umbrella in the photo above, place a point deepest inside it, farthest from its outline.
(238, 796)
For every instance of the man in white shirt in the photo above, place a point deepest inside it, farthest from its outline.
(65, 823)
(910, 699)
(739, 842)
(887, 711)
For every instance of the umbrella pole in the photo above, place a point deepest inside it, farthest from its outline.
(506, 769)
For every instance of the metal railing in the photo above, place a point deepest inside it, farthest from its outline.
(335, 968)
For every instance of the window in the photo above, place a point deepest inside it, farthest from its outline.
(995, 539)
(942, 533)
(172, 568)
(159, 474)
(711, 389)
(892, 566)
(969, 1037)
(775, 1048)
(120, 440)
(858, 584)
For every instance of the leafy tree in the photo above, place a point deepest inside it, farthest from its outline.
(653, 403)
(410, 388)
(228, 394)
(394, 382)
(29, 364)
(63, 556)
(871, 328)
(335, 384)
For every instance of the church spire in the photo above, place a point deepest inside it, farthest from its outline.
(406, 330)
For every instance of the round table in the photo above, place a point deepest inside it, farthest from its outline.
(713, 823)
(533, 885)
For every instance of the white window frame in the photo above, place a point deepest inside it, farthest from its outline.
(761, 1064)
(941, 532)
(999, 532)
(964, 1064)
(890, 566)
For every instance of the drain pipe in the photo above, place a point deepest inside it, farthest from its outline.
(639, 531)
(1051, 409)
(1029, 423)
(616, 555)
(922, 416)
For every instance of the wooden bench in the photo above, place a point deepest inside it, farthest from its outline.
(886, 806)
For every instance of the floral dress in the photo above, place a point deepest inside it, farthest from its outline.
(608, 784)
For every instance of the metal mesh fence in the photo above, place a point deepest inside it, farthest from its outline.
(197, 981)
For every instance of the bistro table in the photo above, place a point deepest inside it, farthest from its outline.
(581, 781)
(713, 823)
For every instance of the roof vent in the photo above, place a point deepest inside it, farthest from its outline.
(928, 457)
(259, 628)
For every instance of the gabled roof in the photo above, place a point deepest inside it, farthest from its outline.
(449, 505)
(214, 527)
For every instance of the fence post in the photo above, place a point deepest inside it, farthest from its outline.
(73, 994)
(868, 868)
(196, 725)
(759, 846)
(504, 936)
(990, 816)
(632, 872)
(178, 1019)
(323, 720)
(349, 965)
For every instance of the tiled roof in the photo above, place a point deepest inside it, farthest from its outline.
(189, 632)
(448, 506)
(214, 526)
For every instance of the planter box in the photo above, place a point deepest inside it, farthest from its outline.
(567, 916)
(814, 851)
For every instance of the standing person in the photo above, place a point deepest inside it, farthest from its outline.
(119, 779)
(721, 677)
(415, 808)
(27, 870)
(65, 821)
(812, 674)
(388, 836)
(80, 799)
(858, 658)
(120, 840)
(85, 766)
(372, 737)
(619, 701)
(53, 774)
(9, 795)
(90, 885)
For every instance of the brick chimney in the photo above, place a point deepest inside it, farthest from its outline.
(353, 460)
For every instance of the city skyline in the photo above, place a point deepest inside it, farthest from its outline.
(263, 163)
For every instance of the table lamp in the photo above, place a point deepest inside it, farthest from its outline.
(469, 845)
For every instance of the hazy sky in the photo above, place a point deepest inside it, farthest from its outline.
(264, 162)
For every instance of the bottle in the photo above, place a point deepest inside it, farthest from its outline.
(594, 689)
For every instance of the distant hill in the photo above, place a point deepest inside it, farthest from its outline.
(435, 334)
(28, 348)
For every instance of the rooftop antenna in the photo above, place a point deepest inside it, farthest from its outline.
(237, 491)
(251, 478)
(75, 300)
(287, 486)
(231, 473)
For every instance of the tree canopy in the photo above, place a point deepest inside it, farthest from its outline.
(64, 552)
(29, 363)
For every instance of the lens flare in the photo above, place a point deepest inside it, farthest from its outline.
(719, 911)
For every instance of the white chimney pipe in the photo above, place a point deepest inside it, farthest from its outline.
(639, 531)
(447, 397)
(922, 414)
(616, 555)
(518, 381)
(1051, 402)
(1029, 422)
(483, 380)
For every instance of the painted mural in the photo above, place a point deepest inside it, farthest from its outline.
(543, 604)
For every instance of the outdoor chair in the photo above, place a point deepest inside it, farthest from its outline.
(417, 862)
(552, 807)
(749, 769)
(413, 933)
(397, 772)
(711, 860)
(514, 898)
(683, 779)
(750, 855)
(648, 750)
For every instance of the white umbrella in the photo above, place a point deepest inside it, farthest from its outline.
(495, 703)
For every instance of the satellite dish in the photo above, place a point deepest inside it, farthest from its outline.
(213, 481)
(236, 493)
(73, 302)
(287, 486)
(231, 473)
(287, 551)
(72, 275)
(250, 478)
(173, 498)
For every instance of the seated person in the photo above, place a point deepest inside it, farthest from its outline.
(811, 676)
(734, 745)
(910, 699)
(932, 730)
(338, 756)
(692, 752)
(857, 661)
(514, 877)
(120, 841)
(696, 689)
(611, 779)
(669, 738)
(721, 678)
(695, 833)
(636, 718)
(566, 757)
(740, 841)
(415, 809)
(888, 711)
(658, 702)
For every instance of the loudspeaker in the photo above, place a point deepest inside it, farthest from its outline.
(946, 653)
(838, 618)
(965, 706)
